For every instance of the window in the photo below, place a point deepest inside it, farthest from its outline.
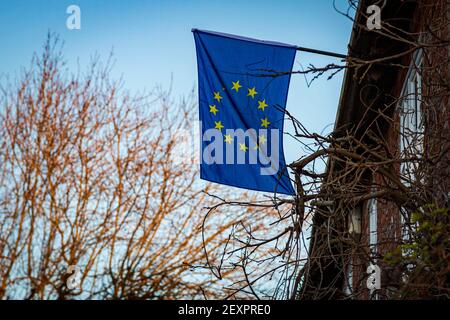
(411, 119)
(372, 211)
(354, 221)
(349, 278)
(411, 132)
(373, 230)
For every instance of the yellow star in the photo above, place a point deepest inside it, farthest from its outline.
(252, 92)
(228, 138)
(236, 86)
(262, 139)
(219, 125)
(213, 109)
(265, 123)
(217, 96)
(262, 104)
(243, 147)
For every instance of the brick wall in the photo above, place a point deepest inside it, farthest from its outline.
(433, 13)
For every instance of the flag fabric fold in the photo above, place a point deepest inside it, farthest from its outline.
(243, 86)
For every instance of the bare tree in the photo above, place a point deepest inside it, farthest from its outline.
(91, 182)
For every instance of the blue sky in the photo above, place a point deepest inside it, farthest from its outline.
(153, 43)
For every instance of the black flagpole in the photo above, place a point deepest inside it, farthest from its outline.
(325, 53)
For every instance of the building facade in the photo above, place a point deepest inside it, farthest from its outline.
(395, 102)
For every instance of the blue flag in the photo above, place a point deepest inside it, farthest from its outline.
(243, 87)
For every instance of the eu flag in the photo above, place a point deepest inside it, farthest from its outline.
(243, 87)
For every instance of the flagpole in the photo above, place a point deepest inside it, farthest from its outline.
(232, 36)
(325, 53)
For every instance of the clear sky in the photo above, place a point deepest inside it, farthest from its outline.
(152, 41)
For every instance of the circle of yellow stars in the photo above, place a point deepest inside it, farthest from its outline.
(262, 105)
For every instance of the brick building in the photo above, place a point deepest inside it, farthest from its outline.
(403, 98)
